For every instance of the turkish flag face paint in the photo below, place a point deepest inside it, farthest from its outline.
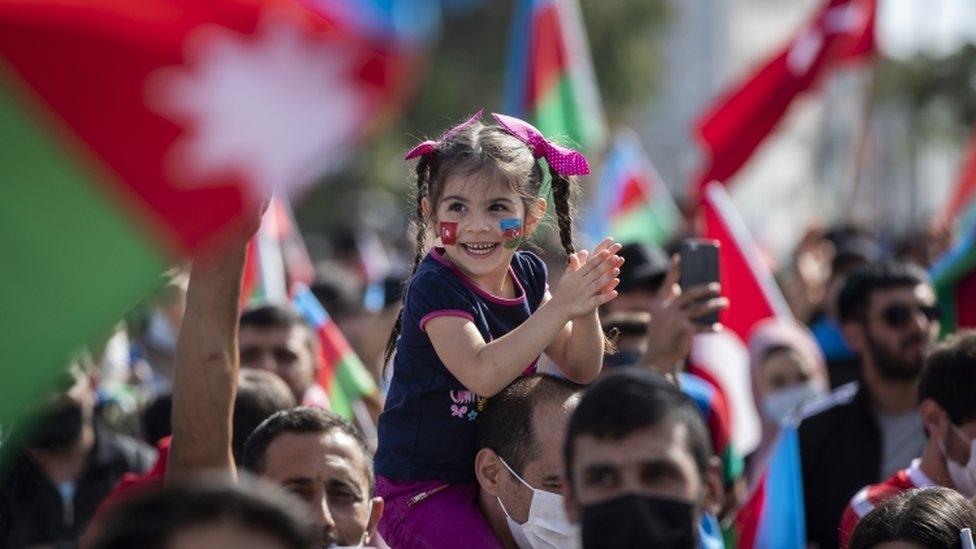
(511, 232)
(448, 232)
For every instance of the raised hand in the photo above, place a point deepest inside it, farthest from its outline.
(673, 319)
(589, 280)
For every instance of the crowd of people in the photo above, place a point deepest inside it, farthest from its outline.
(510, 409)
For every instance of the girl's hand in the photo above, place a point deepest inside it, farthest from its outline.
(589, 280)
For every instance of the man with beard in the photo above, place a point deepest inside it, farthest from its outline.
(868, 429)
(68, 464)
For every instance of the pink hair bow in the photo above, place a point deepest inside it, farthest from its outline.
(564, 161)
(428, 146)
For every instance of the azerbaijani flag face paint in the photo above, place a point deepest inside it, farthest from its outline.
(511, 232)
(448, 232)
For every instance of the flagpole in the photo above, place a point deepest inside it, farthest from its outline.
(863, 139)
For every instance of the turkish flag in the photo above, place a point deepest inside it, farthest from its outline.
(843, 30)
(746, 280)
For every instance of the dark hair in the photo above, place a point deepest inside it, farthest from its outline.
(151, 520)
(932, 517)
(259, 395)
(855, 295)
(489, 153)
(156, 419)
(505, 425)
(628, 400)
(949, 377)
(271, 315)
(302, 419)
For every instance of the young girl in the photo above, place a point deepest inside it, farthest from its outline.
(477, 314)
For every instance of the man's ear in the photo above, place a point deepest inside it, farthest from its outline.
(574, 512)
(488, 470)
(534, 216)
(713, 486)
(375, 514)
(934, 419)
(855, 336)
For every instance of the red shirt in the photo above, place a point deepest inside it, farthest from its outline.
(871, 496)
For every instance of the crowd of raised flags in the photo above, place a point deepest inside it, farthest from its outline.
(114, 171)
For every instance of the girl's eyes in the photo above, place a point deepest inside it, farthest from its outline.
(498, 208)
(456, 207)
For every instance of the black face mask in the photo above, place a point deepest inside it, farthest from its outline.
(640, 521)
(57, 429)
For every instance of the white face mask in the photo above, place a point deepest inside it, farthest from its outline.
(963, 476)
(547, 525)
(780, 404)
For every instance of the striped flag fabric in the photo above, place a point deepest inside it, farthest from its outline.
(632, 202)
(773, 515)
(954, 277)
(277, 259)
(342, 373)
(550, 79)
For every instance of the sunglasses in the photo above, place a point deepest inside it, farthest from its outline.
(898, 315)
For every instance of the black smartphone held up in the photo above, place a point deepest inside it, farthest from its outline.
(699, 265)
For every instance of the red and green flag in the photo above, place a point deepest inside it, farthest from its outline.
(550, 78)
(954, 276)
(134, 133)
(632, 202)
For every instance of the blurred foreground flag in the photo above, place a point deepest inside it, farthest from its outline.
(133, 132)
(960, 210)
(954, 276)
(739, 121)
(632, 203)
(773, 515)
(550, 78)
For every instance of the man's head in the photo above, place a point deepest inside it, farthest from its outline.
(63, 418)
(635, 435)
(641, 276)
(276, 338)
(259, 395)
(322, 459)
(948, 409)
(206, 515)
(522, 428)
(888, 314)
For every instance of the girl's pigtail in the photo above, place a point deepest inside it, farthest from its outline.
(420, 222)
(562, 194)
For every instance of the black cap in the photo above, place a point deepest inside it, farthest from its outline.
(643, 269)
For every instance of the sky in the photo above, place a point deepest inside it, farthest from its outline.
(933, 27)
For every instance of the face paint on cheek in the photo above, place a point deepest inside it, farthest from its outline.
(511, 232)
(448, 232)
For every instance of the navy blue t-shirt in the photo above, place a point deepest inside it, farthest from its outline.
(427, 429)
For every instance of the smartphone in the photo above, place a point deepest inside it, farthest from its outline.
(699, 265)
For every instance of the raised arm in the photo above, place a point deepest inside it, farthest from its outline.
(207, 363)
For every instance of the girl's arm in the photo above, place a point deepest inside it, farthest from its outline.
(487, 368)
(578, 349)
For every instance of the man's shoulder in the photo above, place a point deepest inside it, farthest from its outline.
(832, 407)
(122, 451)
